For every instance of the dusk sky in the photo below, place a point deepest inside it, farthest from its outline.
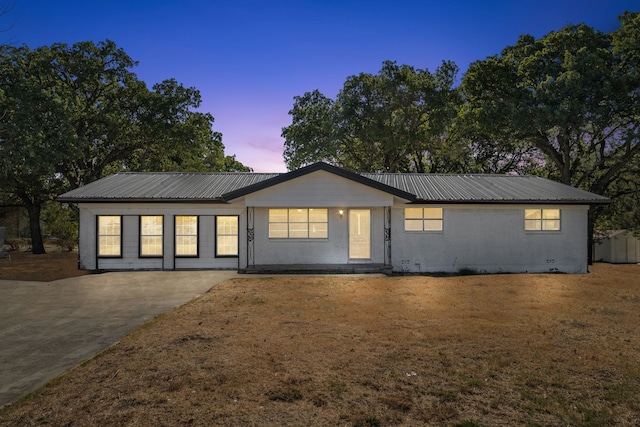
(250, 58)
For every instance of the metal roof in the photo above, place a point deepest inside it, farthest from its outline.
(164, 186)
(419, 188)
(477, 188)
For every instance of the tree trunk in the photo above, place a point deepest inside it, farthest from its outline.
(37, 245)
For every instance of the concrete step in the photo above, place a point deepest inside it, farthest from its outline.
(317, 269)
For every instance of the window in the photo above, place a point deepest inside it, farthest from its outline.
(186, 235)
(151, 235)
(423, 219)
(542, 219)
(109, 236)
(298, 224)
(226, 236)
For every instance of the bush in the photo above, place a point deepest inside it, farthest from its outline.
(65, 245)
(61, 223)
(16, 244)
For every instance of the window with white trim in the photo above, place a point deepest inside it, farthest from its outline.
(187, 235)
(299, 223)
(542, 219)
(109, 236)
(226, 236)
(151, 232)
(423, 219)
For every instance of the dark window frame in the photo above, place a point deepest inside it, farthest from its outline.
(289, 222)
(215, 243)
(98, 235)
(542, 221)
(175, 237)
(423, 219)
(140, 236)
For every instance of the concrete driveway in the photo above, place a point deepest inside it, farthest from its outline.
(48, 327)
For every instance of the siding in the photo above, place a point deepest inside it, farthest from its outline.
(491, 239)
(319, 189)
(334, 250)
(130, 259)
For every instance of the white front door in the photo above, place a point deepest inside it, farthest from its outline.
(359, 234)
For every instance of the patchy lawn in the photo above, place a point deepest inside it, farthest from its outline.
(548, 350)
(53, 265)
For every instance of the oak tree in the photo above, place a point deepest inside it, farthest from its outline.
(71, 114)
(394, 121)
(571, 96)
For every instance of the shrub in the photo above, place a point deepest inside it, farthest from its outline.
(16, 244)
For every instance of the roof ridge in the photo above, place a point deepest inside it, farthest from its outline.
(196, 173)
(494, 175)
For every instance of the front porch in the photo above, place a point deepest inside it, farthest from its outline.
(317, 269)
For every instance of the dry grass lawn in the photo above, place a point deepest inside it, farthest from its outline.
(53, 265)
(548, 350)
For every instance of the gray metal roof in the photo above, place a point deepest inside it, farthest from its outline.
(478, 188)
(427, 188)
(164, 186)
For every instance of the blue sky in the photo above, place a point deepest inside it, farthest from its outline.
(250, 58)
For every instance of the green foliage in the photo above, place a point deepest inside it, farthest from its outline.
(71, 114)
(61, 221)
(569, 100)
(395, 121)
(624, 212)
(565, 106)
(310, 137)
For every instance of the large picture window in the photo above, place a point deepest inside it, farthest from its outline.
(151, 232)
(298, 223)
(187, 235)
(109, 236)
(542, 219)
(226, 236)
(423, 219)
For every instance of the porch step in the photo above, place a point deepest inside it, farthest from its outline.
(317, 269)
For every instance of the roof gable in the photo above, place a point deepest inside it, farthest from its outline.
(319, 189)
(320, 166)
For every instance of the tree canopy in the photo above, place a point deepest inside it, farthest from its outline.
(570, 97)
(70, 114)
(565, 106)
(395, 121)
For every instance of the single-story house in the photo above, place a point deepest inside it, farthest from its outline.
(321, 217)
(617, 247)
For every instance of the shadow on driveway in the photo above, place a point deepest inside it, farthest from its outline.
(47, 328)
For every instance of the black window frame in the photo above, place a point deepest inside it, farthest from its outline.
(175, 237)
(98, 235)
(140, 254)
(215, 243)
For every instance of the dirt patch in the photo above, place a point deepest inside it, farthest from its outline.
(361, 351)
(53, 265)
